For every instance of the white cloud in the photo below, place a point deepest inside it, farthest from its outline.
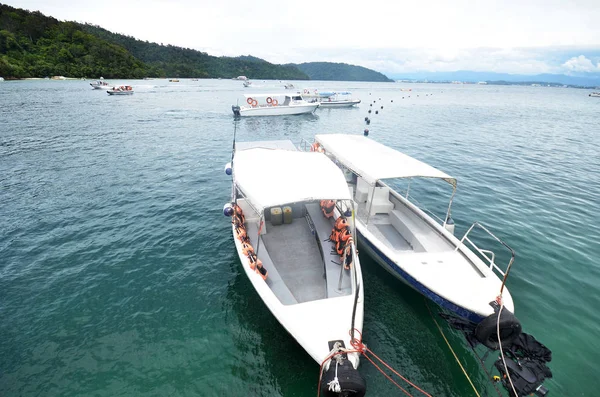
(581, 64)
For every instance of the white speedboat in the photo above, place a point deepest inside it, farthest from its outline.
(285, 206)
(411, 245)
(274, 105)
(100, 85)
(595, 94)
(341, 99)
(1, 78)
(121, 90)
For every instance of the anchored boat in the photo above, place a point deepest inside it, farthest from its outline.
(274, 105)
(595, 94)
(456, 274)
(342, 99)
(293, 233)
(100, 85)
(121, 90)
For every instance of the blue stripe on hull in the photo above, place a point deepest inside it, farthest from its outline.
(407, 278)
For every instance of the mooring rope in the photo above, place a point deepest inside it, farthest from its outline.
(452, 350)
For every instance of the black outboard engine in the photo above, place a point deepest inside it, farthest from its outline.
(341, 379)
(526, 362)
(236, 110)
(525, 357)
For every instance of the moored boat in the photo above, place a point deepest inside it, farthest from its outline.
(595, 94)
(342, 99)
(100, 85)
(406, 240)
(274, 105)
(121, 90)
(293, 235)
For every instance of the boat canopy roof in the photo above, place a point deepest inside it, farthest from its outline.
(267, 95)
(373, 161)
(269, 177)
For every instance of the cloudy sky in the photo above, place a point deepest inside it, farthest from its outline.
(391, 36)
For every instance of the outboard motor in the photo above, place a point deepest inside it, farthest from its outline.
(236, 110)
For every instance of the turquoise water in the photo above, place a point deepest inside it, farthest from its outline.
(118, 276)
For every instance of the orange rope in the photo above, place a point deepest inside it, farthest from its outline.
(361, 348)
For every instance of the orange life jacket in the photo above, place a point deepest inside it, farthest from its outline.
(340, 224)
(328, 208)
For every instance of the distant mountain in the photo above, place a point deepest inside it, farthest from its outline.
(185, 62)
(34, 45)
(583, 79)
(340, 72)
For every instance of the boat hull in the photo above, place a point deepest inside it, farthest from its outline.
(311, 323)
(110, 92)
(389, 265)
(279, 110)
(340, 104)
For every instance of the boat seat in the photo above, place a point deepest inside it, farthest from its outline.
(381, 201)
(401, 223)
(362, 190)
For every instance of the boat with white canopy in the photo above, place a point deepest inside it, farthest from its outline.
(411, 245)
(285, 207)
(121, 90)
(100, 85)
(274, 105)
(341, 99)
(595, 94)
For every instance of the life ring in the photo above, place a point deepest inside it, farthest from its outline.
(314, 147)
(306, 91)
(269, 100)
(510, 329)
(249, 101)
(275, 102)
(254, 103)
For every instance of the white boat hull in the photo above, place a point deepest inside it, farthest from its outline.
(340, 104)
(113, 92)
(279, 110)
(101, 87)
(313, 324)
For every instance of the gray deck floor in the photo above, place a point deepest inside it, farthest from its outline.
(390, 236)
(294, 251)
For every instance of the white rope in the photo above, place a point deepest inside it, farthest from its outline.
(500, 345)
(334, 385)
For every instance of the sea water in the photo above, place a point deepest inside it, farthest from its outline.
(118, 273)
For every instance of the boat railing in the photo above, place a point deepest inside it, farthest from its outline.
(304, 145)
(413, 200)
(489, 256)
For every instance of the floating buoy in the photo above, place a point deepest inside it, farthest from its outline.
(417, 95)
(377, 112)
(369, 111)
(392, 100)
(228, 210)
(402, 97)
(228, 169)
(369, 122)
(370, 104)
(366, 132)
(382, 107)
(380, 99)
(366, 118)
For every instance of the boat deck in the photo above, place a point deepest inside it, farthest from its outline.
(293, 249)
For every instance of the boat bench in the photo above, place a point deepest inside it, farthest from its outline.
(408, 229)
(274, 280)
(323, 227)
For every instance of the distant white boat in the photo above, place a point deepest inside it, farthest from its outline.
(121, 90)
(270, 105)
(1, 78)
(247, 83)
(240, 78)
(173, 80)
(595, 94)
(289, 86)
(100, 85)
(341, 99)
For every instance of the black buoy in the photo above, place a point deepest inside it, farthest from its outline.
(369, 122)
(402, 97)
(377, 112)
(374, 101)
(366, 118)
(382, 107)
(369, 93)
(417, 95)
(369, 111)
(380, 99)
(392, 100)
(366, 132)
(370, 104)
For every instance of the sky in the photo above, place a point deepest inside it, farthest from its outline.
(390, 36)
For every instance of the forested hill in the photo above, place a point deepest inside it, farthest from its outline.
(340, 72)
(185, 62)
(34, 45)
